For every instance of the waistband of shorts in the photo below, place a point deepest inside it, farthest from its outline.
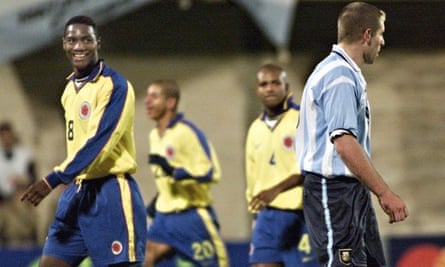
(285, 210)
(185, 210)
(79, 181)
(343, 178)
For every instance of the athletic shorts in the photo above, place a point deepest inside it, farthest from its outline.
(280, 236)
(102, 218)
(341, 222)
(193, 234)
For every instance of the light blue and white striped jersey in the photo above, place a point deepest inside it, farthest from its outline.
(334, 101)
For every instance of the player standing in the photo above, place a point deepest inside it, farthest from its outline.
(279, 236)
(335, 138)
(101, 213)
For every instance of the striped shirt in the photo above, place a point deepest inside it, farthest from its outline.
(334, 102)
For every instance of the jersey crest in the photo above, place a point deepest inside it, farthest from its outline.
(170, 152)
(85, 110)
(288, 142)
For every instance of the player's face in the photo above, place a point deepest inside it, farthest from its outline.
(271, 88)
(156, 106)
(374, 45)
(81, 47)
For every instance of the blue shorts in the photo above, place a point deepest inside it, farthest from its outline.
(193, 234)
(342, 222)
(280, 236)
(102, 218)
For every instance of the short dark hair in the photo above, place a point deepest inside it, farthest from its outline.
(81, 19)
(355, 18)
(274, 67)
(170, 88)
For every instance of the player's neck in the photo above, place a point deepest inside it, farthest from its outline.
(163, 123)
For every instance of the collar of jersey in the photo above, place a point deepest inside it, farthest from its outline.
(94, 74)
(178, 117)
(341, 52)
(287, 104)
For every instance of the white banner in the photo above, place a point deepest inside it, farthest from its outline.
(30, 26)
(26, 25)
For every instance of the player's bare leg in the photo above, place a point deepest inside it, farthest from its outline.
(49, 261)
(155, 252)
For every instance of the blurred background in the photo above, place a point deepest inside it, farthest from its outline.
(213, 48)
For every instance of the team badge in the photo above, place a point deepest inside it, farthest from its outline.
(116, 247)
(345, 256)
(288, 142)
(170, 152)
(85, 110)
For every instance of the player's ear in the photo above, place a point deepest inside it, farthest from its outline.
(367, 35)
(172, 103)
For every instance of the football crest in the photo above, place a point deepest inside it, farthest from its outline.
(288, 142)
(170, 152)
(85, 110)
(345, 256)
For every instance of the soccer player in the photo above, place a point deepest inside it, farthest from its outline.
(101, 213)
(184, 164)
(279, 235)
(334, 133)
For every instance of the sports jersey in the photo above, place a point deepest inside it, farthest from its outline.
(102, 214)
(335, 90)
(99, 128)
(195, 162)
(270, 157)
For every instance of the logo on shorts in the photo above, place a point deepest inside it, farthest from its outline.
(345, 255)
(85, 110)
(116, 247)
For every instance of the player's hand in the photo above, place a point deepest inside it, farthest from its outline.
(263, 199)
(393, 206)
(162, 162)
(36, 192)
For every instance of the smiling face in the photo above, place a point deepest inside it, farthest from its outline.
(81, 47)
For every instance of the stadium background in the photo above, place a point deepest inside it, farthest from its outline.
(213, 49)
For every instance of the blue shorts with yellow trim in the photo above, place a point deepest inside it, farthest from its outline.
(193, 234)
(102, 218)
(280, 236)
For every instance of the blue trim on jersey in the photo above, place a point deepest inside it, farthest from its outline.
(288, 103)
(94, 74)
(181, 173)
(94, 145)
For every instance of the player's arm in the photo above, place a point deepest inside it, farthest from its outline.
(249, 165)
(197, 160)
(359, 164)
(265, 197)
(36, 192)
